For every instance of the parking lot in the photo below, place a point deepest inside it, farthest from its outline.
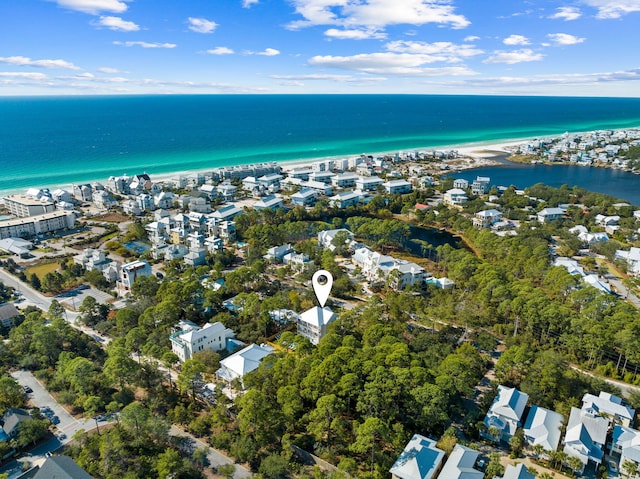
(74, 298)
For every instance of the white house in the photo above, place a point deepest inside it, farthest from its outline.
(550, 214)
(505, 413)
(632, 257)
(304, 197)
(519, 471)
(129, 273)
(313, 323)
(192, 339)
(420, 459)
(277, 253)
(485, 218)
(226, 213)
(543, 427)
(397, 187)
(455, 196)
(460, 464)
(268, 202)
(345, 199)
(325, 238)
(585, 437)
(609, 405)
(368, 183)
(460, 183)
(243, 362)
(344, 180)
(626, 442)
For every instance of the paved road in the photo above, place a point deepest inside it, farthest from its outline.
(215, 457)
(64, 431)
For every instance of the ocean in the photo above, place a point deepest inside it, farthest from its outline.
(47, 141)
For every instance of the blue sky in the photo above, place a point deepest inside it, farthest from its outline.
(510, 47)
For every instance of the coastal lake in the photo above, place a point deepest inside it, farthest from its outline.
(617, 183)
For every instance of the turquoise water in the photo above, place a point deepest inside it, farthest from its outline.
(59, 140)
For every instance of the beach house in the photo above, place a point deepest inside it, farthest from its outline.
(504, 415)
(455, 197)
(460, 464)
(313, 323)
(190, 338)
(420, 459)
(585, 437)
(543, 427)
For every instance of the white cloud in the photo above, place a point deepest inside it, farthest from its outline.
(515, 56)
(220, 51)
(471, 38)
(268, 52)
(26, 61)
(355, 34)
(376, 13)
(201, 25)
(516, 40)
(438, 51)
(146, 44)
(564, 39)
(24, 75)
(108, 70)
(613, 8)
(327, 77)
(567, 14)
(248, 3)
(388, 63)
(118, 24)
(94, 7)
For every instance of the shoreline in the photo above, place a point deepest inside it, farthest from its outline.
(470, 156)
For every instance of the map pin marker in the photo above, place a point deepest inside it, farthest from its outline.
(322, 282)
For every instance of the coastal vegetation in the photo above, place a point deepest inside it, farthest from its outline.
(392, 365)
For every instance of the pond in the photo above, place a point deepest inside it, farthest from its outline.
(422, 237)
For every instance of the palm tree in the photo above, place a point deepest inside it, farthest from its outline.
(630, 467)
(575, 464)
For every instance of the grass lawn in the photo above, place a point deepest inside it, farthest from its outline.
(42, 269)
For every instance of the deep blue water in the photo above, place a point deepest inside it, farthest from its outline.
(47, 141)
(616, 183)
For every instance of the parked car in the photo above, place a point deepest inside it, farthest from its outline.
(27, 389)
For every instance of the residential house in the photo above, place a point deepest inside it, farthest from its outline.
(505, 414)
(585, 437)
(8, 314)
(319, 187)
(95, 259)
(313, 323)
(610, 406)
(322, 176)
(480, 186)
(164, 200)
(227, 191)
(192, 339)
(277, 253)
(455, 197)
(519, 471)
(625, 446)
(131, 207)
(129, 273)
(103, 200)
(300, 173)
(304, 197)
(197, 252)
(242, 362)
(345, 199)
(297, 261)
(420, 459)
(486, 218)
(460, 183)
(397, 187)
(543, 427)
(550, 214)
(145, 202)
(326, 238)
(269, 202)
(632, 258)
(368, 183)
(270, 182)
(214, 244)
(82, 192)
(59, 467)
(199, 204)
(460, 464)
(226, 213)
(344, 180)
(12, 419)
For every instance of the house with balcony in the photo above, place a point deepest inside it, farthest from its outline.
(313, 323)
(505, 414)
(190, 339)
(455, 197)
(369, 183)
(397, 187)
(586, 436)
(543, 427)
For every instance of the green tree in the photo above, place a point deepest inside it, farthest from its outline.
(55, 311)
(30, 431)
(168, 464)
(189, 376)
(11, 394)
(274, 466)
